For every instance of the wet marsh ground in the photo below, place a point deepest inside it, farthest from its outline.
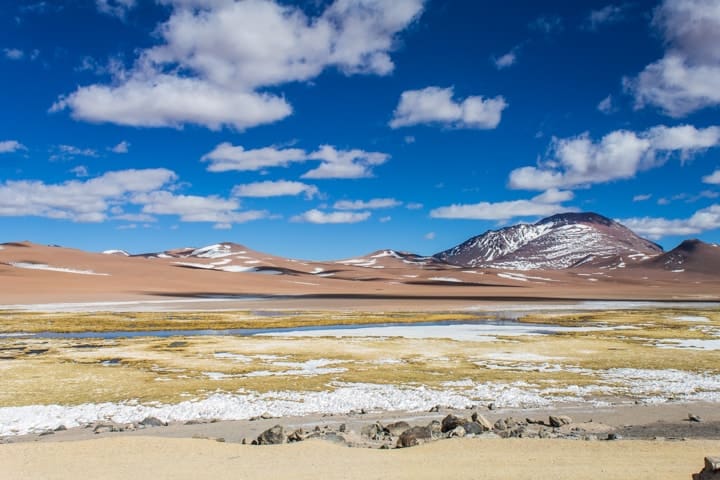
(629, 362)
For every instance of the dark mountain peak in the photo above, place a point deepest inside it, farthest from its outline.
(690, 245)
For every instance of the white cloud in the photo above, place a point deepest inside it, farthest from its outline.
(385, 219)
(13, 53)
(429, 236)
(620, 154)
(642, 197)
(115, 8)
(604, 16)
(435, 105)
(344, 163)
(11, 146)
(545, 204)
(79, 201)
(226, 157)
(713, 178)
(687, 78)
(228, 52)
(366, 205)
(506, 60)
(70, 151)
(414, 206)
(276, 188)
(122, 147)
(606, 105)
(222, 226)
(193, 208)
(161, 100)
(655, 228)
(320, 217)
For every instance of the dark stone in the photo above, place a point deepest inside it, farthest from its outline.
(342, 428)
(414, 436)
(614, 436)
(152, 422)
(434, 409)
(272, 436)
(177, 344)
(694, 418)
(451, 422)
(473, 428)
(61, 428)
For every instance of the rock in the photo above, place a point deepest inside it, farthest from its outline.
(61, 428)
(272, 436)
(152, 422)
(614, 436)
(559, 420)
(266, 416)
(473, 428)
(296, 436)
(46, 432)
(711, 470)
(177, 344)
(434, 409)
(397, 428)
(451, 422)
(694, 418)
(105, 427)
(375, 431)
(500, 425)
(342, 428)
(483, 422)
(458, 431)
(491, 406)
(414, 436)
(435, 429)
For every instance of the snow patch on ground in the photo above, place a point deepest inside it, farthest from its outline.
(691, 318)
(111, 252)
(445, 279)
(42, 266)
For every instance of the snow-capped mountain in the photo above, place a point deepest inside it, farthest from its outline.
(561, 241)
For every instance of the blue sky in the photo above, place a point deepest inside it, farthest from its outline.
(327, 129)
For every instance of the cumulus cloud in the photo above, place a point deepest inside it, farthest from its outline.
(276, 188)
(122, 147)
(353, 163)
(228, 52)
(79, 201)
(334, 163)
(687, 78)
(71, 151)
(547, 24)
(545, 204)
(193, 208)
(320, 217)
(604, 16)
(620, 154)
(115, 8)
(11, 146)
(435, 105)
(655, 228)
(226, 157)
(642, 197)
(713, 178)
(375, 203)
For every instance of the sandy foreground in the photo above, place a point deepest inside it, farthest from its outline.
(156, 458)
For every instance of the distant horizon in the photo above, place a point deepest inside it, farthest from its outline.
(335, 128)
(357, 254)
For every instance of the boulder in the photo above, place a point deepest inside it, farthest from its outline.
(414, 436)
(711, 470)
(272, 436)
(458, 431)
(152, 422)
(500, 425)
(374, 431)
(694, 418)
(473, 428)
(558, 421)
(435, 429)
(451, 422)
(482, 421)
